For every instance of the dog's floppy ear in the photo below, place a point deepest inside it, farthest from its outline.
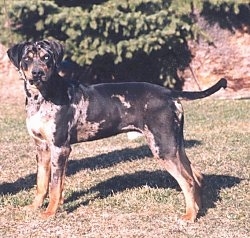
(57, 49)
(15, 54)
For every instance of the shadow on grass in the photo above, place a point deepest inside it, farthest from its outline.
(192, 143)
(96, 162)
(155, 179)
(74, 166)
(115, 157)
(213, 184)
(158, 178)
(20, 184)
(109, 159)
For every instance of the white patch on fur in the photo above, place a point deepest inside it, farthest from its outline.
(122, 100)
(179, 109)
(40, 127)
(21, 73)
(151, 141)
(85, 129)
(132, 135)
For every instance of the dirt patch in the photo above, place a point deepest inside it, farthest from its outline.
(228, 57)
(11, 86)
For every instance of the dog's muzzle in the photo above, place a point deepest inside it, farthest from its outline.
(37, 76)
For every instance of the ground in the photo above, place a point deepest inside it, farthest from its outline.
(114, 188)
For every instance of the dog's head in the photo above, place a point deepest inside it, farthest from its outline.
(36, 61)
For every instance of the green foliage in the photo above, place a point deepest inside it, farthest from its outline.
(117, 28)
(115, 31)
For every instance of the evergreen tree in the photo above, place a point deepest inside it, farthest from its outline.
(140, 39)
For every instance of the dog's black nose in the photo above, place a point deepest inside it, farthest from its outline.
(37, 72)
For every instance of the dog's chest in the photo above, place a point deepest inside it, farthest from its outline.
(41, 124)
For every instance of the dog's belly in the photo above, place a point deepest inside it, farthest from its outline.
(105, 124)
(94, 131)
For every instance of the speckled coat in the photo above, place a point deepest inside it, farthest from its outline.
(61, 113)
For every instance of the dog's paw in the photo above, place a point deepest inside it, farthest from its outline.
(189, 217)
(47, 215)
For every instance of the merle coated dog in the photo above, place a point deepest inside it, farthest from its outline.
(61, 113)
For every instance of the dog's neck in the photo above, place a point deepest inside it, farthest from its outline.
(53, 91)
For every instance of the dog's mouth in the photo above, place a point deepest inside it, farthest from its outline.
(35, 81)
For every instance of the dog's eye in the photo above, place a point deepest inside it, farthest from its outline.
(26, 59)
(46, 57)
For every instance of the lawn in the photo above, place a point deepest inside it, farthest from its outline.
(114, 188)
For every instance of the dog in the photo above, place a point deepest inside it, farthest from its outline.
(61, 113)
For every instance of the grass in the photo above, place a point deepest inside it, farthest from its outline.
(115, 189)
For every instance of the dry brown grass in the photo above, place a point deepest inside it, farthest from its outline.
(115, 189)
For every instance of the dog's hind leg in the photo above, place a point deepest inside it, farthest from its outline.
(180, 168)
(166, 144)
(59, 157)
(189, 181)
(43, 174)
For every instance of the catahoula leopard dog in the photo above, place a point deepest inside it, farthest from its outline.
(61, 113)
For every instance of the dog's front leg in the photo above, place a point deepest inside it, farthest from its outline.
(43, 174)
(59, 157)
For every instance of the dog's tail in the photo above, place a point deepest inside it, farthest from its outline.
(222, 83)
